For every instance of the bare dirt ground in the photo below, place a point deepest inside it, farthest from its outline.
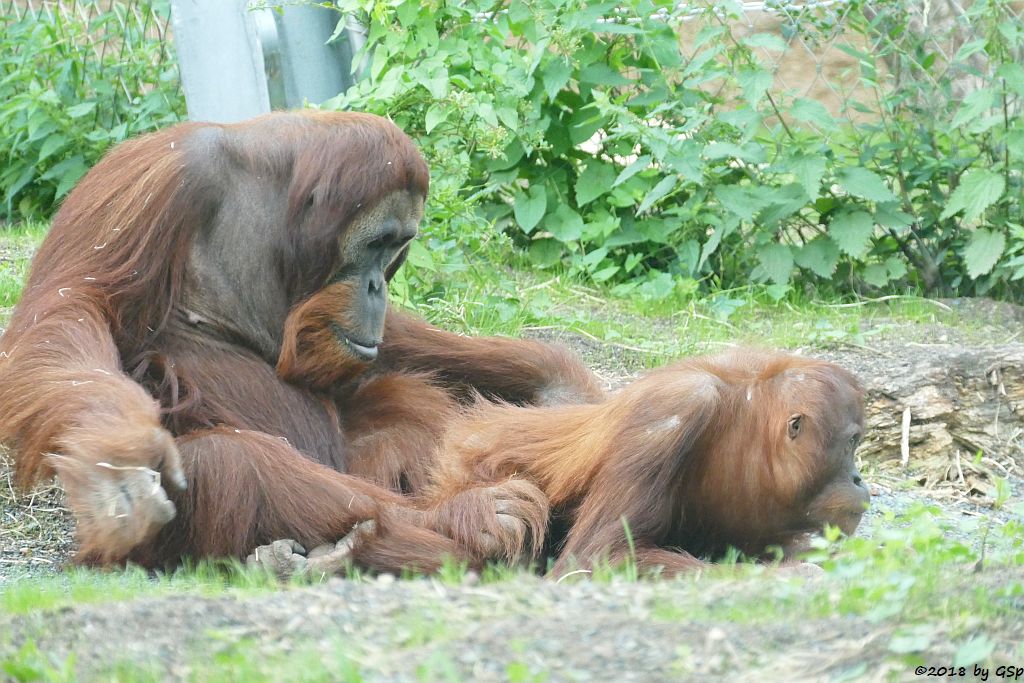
(523, 630)
(526, 629)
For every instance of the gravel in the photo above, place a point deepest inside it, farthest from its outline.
(523, 629)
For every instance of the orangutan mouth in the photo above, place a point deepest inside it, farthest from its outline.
(367, 352)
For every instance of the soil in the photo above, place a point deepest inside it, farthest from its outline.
(525, 630)
(424, 629)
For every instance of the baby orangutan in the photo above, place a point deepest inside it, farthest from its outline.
(747, 449)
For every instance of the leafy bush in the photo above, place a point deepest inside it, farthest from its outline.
(75, 80)
(582, 133)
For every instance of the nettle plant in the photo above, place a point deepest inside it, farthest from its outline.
(76, 79)
(585, 135)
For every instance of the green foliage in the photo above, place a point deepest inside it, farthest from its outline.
(74, 81)
(16, 248)
(81, 586)
(583, 136)
(29, 664)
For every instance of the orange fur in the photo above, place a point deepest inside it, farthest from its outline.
(695, 457)
(178, 323)
(310, 353)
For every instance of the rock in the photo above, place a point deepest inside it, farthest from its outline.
(963, 402)
(967, 399)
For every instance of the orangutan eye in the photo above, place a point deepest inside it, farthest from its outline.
(794, 425)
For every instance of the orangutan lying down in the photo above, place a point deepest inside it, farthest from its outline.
(747, 449)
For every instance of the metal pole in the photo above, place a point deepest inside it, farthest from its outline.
(314, 70)
(220, 60)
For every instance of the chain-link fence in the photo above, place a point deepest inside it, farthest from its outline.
(76, 78)
(843, 53)
(815, 49)
(103, 35)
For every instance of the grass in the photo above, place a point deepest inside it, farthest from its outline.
(16, 246)
(921, 542)
(484, 300)
(240, 661)
(78, 586)
(910, 579)
(908, 589)
(914, 568)
(516, 303)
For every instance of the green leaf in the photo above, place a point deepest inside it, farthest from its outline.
(632, 261)
(545, 252)
(767, 41)
(420, 257)
(584, 123)
(812, 111)
(486, 112)
(529, 207)
(851, 231)
(721, 231)
(71, 170)
(809, 170)
(910, 639)
(975, 650)
(652, 97)
(604, 273)
(973, 106)
(876, 274)
(860, 182)
(1015, 142)
(752, 152)
(658, 286)
(593, 259)
(983, 251)
(820, 256)
(754, 83)
(27, 175)
(509, 117)
(40, 127)
(743, 201)
(888, 214)
(596, 179)
(783, 202)
(662, 42)
(407, 13)
(777, 291)
(748, 121)
(79, 110)
(624, 236)
(564, 224)
(979, 189)
(600, 73)
(53, 143)
(518, 11)
(641, 163)
(435, 116)
(777, 261)
(707, 34)
(555, 76)
(969, 48)
(666, 185)
(685, 160)
(1013, 74)
(655, 230)
(438, 84)
(896, 266)
(612, 27)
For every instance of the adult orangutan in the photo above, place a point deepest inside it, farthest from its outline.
(205, 357)
(747, 449)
